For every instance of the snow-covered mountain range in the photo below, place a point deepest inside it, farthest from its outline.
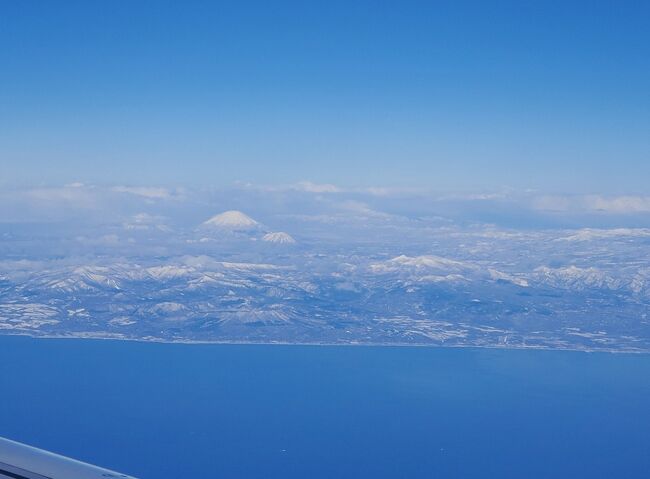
(351, 276)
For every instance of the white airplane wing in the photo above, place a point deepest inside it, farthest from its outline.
(18, 461)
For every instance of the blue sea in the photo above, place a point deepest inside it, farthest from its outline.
(253, 411)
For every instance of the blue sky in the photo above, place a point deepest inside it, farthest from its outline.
(442, 95)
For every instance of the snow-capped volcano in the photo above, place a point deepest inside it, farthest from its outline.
(233, 220)
(280, 237)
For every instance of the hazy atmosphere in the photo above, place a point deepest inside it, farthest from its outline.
(336, 239)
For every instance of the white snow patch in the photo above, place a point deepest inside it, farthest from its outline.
(573, 277)
(279, 237)
(233, 219)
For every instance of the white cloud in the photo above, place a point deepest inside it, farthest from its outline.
(360, 208)
(310, 187)
(552, 203)
(619, 204)
(77, 196)
(390, 191)
(149, 192)
(474, 197)
(145, 221)
(588, 234)
(593, 204)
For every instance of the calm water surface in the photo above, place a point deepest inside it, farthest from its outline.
(234, 411)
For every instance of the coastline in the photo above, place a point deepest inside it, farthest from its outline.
(189, 342)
